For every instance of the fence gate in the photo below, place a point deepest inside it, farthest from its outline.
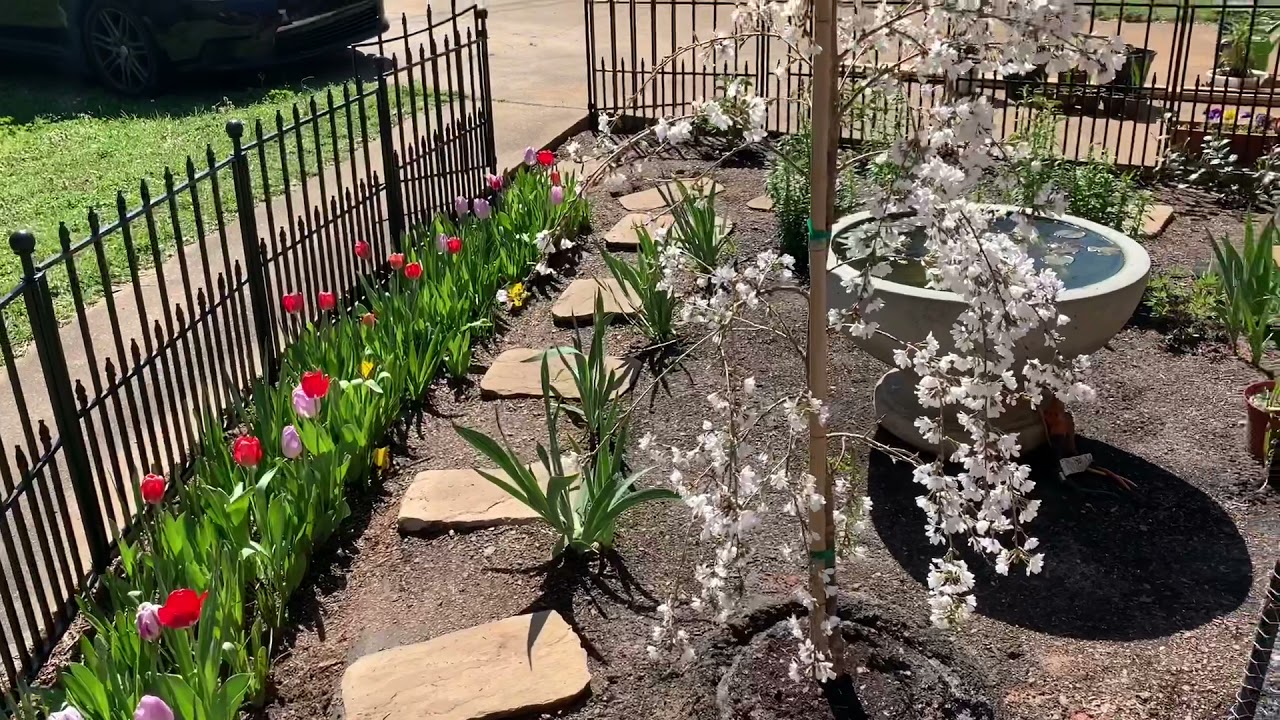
(1166, 93)
(173, 300)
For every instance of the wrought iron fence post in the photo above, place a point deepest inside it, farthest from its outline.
(390, 164)
(491, 145)
(57, 379)
(255, 267)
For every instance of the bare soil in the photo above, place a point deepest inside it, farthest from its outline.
(1144, 610)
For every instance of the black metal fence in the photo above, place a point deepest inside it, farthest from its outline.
(1178, 82)
(130, 385)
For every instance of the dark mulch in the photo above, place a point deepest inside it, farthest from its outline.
(1144, 609)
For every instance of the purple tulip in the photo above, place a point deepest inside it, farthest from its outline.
(442, 242)
(66, 713)
(151, 707)
(305, 405)
(1214, 114)
(460, 207)
(1262, 120)
(530, 157)
(480, 207)
(557, 194)
(149, 622)
(290, 442)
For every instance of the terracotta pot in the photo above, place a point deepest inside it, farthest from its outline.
(1259, 420)
(1248, 147)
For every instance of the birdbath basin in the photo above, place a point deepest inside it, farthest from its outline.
(1104, 273)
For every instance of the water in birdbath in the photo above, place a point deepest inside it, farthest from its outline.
(1079, 256)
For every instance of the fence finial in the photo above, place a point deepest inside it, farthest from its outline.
(23, 243)
(235, 129)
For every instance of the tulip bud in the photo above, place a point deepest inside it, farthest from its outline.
(460, 207)
(151, 707)
(148, 621)
(481, 208)
(557, 195)
(305, 405)
(290, 442)
(530, 157)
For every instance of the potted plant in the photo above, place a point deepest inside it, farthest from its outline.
(1245, 49)
(1127, 92)
(1262, 408)
(1248, 136)
(1073, 91)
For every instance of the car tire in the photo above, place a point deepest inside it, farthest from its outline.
(119, 49)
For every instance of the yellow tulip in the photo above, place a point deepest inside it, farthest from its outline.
(382, 458)
(366, 369)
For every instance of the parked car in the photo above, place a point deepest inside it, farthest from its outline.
(132, 45)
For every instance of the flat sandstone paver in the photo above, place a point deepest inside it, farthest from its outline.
(660, 197)
(623, 236)
(517, 373)
(578, 301)
(518, 666)
(764, 203)
(463, 499)
(1157, 220)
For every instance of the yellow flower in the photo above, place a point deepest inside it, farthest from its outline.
(366, 369)
(1229, 116)
(517, 295)
(382, 458)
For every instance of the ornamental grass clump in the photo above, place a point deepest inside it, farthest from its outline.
(189, 621)
(648, 280)
(590, 484)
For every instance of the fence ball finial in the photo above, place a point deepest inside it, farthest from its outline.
(23, 242)
(235, 129)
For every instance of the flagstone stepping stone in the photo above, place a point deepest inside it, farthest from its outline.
(578, 301)
(1157, 220)
(463, 499)
(660, 197)
(623, 236)
(763, 203)
(517, 373)
(522, 665)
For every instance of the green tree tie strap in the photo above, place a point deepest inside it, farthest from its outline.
(826, 557)
(818, 238)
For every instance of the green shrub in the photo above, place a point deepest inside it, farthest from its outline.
(787, 184)
(696, 230)
(1184, 307)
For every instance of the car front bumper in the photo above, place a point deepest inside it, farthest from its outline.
(230, 34)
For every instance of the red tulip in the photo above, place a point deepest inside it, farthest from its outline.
(247, 451)
(327, 301)
(546, 158)
(454, 245)
(153, 487)
(396, 261)
(292, 303)
(413, 271)
(315, 384)
(182, 609)
(555, 177)
(495, 182)
(368, 319)
(363, 250)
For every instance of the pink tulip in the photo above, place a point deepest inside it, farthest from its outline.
(557, 195)
(151, 707)
(66, 713)
(305, 405)
(148, 621)
(290, 442)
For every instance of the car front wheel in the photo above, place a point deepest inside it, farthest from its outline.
(119, 49)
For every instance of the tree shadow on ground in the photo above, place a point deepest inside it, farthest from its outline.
(1118, 565)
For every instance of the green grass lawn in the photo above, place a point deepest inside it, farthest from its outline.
(66, 148)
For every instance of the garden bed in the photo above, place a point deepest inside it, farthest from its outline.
(1144, 610)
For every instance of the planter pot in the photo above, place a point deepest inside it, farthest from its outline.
(1126, 107)
(1259, 421)
(1252, 81)
(1021, 87)
(1132, 76)
(1248, 147)
(1073, 91)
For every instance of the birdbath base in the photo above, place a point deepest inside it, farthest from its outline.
(897, 408)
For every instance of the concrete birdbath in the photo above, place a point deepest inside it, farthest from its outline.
(1104, 272)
